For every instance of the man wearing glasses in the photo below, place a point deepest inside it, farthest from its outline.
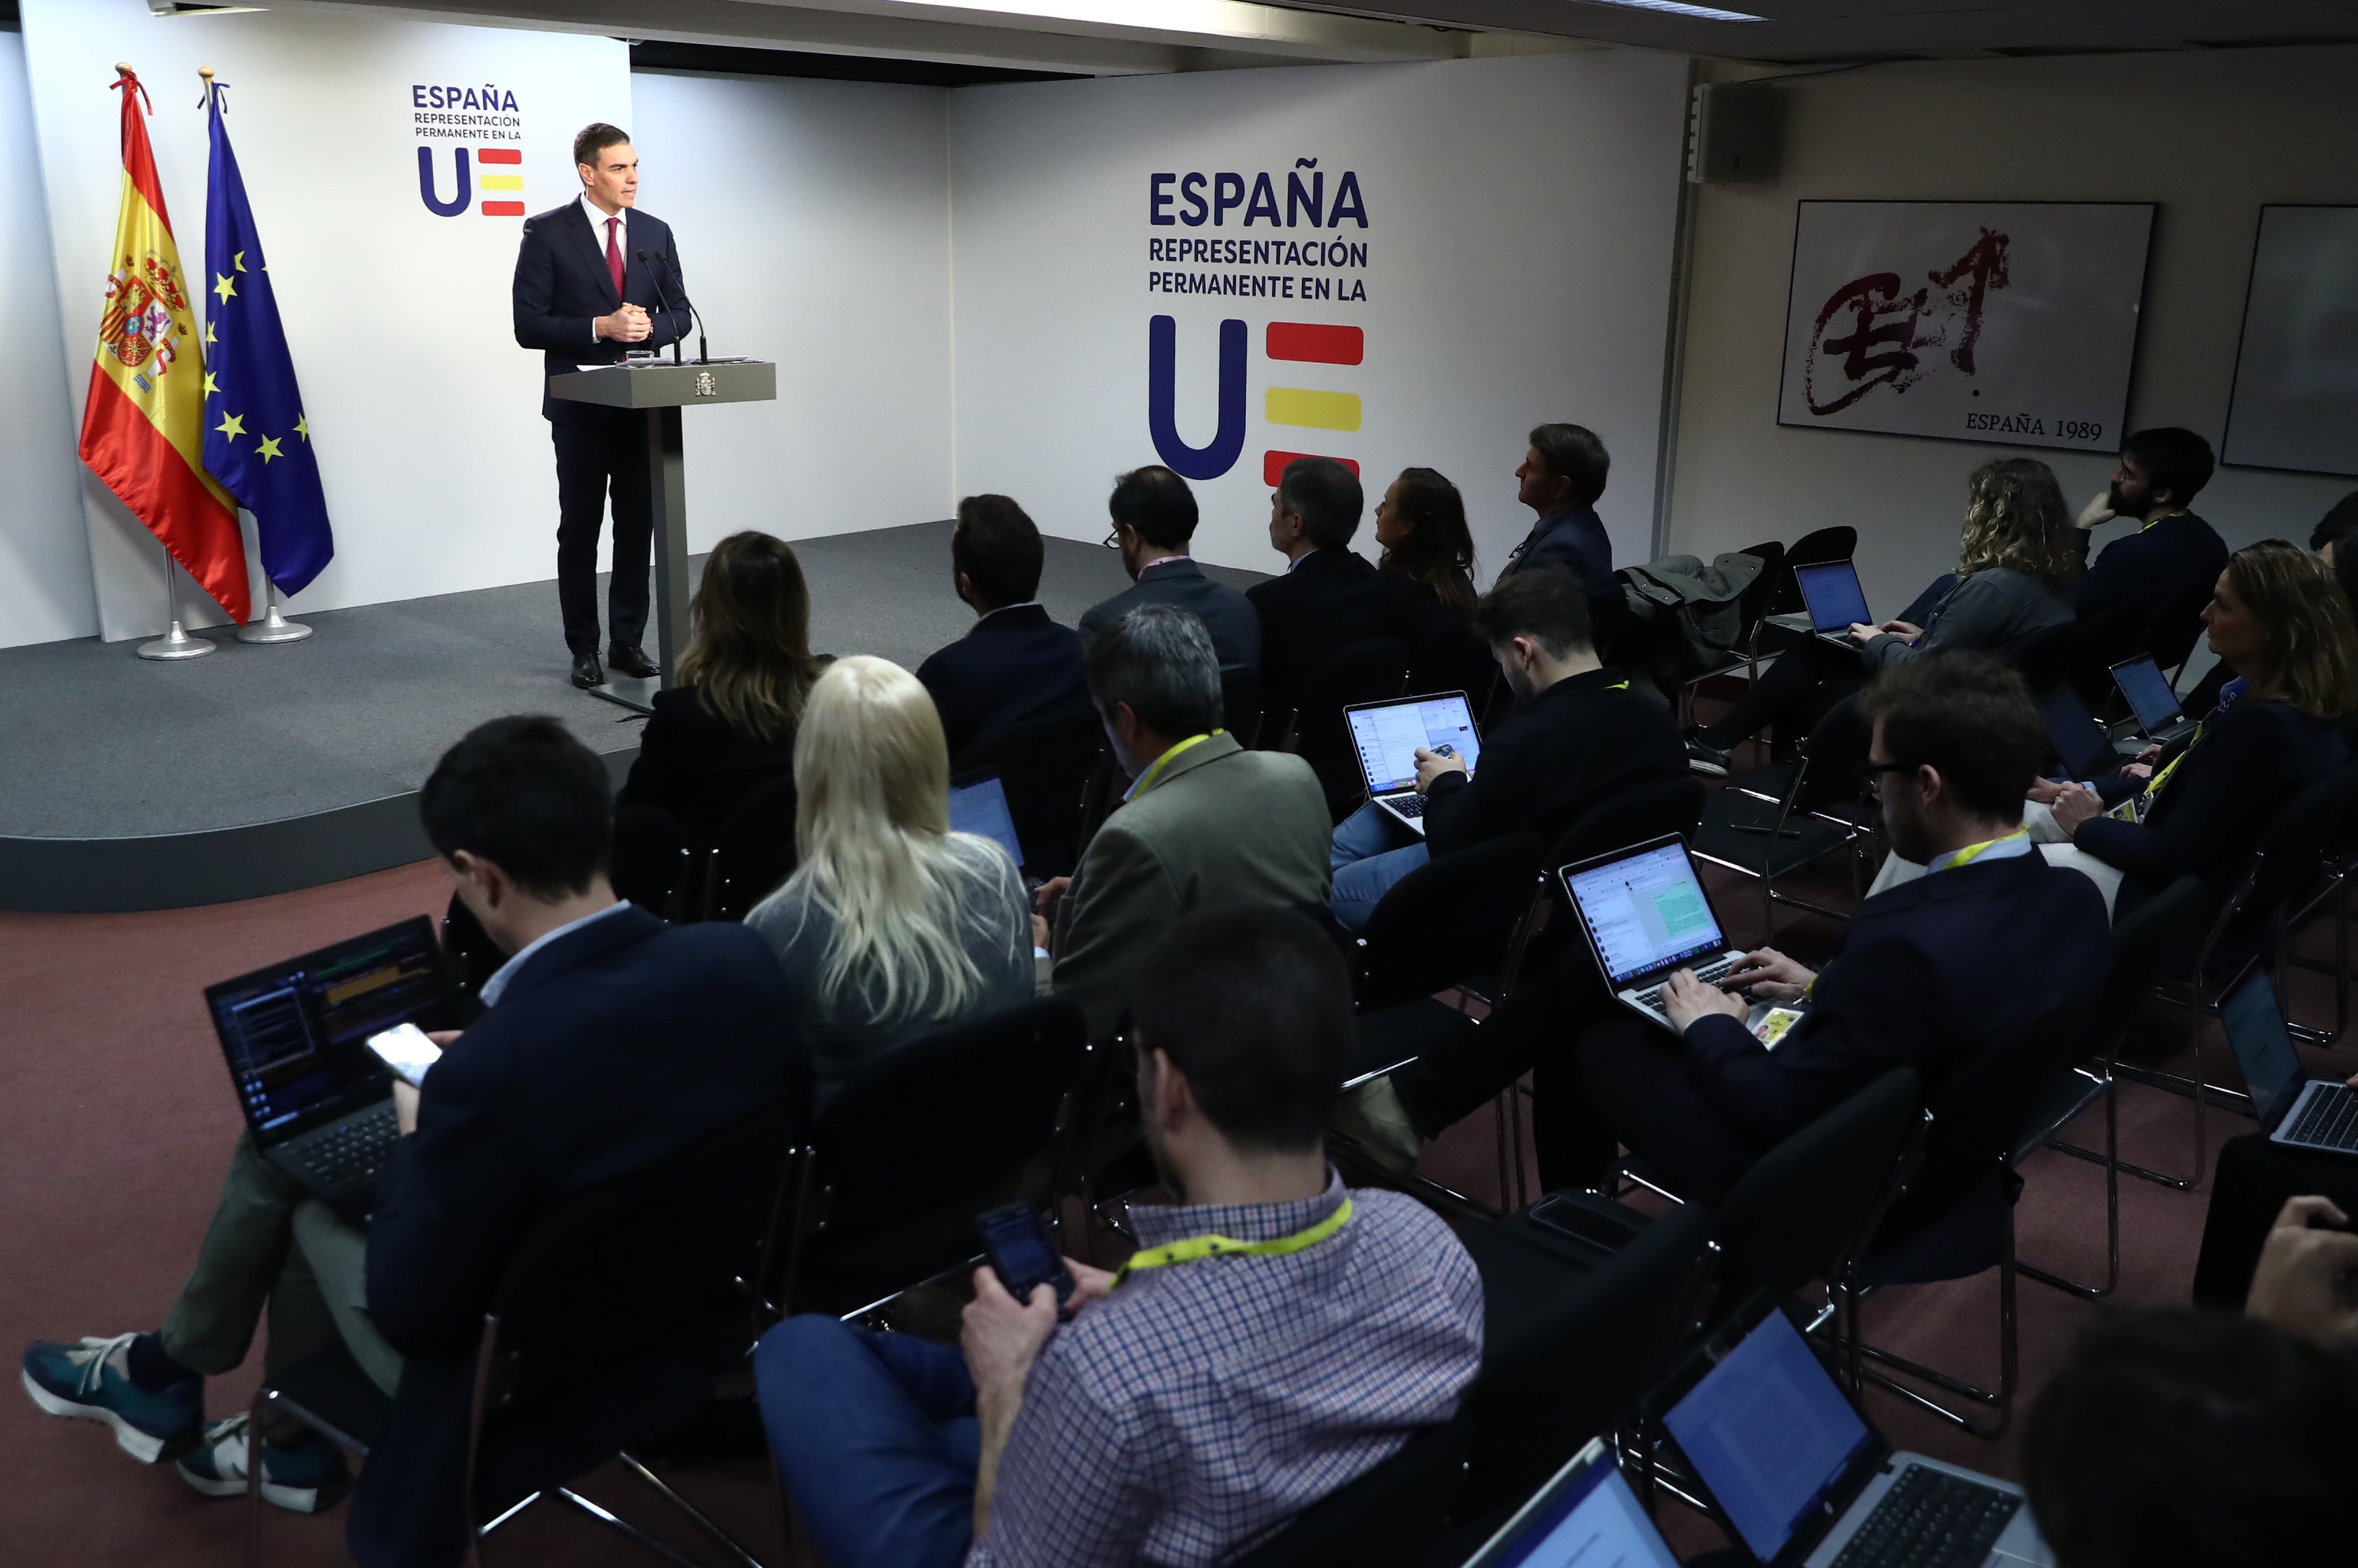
(1924, 975)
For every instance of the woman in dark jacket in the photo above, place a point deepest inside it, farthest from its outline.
(2280, 620)
(1421, 524)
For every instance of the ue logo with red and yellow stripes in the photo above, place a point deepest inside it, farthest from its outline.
(1297, 407)
(509, 178)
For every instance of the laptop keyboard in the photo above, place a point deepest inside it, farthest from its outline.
(1406, 805)
(352, 1154)
(1710, 974)
(2331, 1121)
(1930, 1519)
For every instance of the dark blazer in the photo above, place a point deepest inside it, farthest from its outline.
(562, 284)
(2253, 758)
(1924, 973)
(1580, 742)
(1013, 664)
(613, 1048)
(2166, 558)
(1330, 599)
(1225, 611)
(697, 766)
(1573, 538)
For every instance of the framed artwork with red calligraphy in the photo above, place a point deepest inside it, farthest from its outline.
(2009, 323)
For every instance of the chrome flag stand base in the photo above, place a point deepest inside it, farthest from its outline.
(176, 644)
(272, 627)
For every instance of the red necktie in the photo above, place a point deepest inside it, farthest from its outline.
(614, 256)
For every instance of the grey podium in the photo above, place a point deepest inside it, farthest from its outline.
(660, 389)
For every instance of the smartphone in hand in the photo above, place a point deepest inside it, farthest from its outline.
(407, 1052)
(1016, 1240)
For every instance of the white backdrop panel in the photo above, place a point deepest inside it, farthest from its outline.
(436, 461)
(813, 221)
(2296, 397)
(2010, 322)
(1520, 223)
(44, 559)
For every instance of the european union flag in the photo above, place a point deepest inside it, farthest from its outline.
(257, 442)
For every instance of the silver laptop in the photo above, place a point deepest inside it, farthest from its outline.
(1836, 602)
(1586, 1516)
(1795, 1472)
(1385, 737)
(1647, 915)
(2297, 1110)
(2149, 694)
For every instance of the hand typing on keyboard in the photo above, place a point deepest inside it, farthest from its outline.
(1685, 999)
(1771, 976)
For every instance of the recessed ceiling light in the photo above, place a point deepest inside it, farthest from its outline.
(1673, 8)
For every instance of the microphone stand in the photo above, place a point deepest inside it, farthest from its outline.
(646, 258)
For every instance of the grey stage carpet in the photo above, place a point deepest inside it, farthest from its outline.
(97, 743)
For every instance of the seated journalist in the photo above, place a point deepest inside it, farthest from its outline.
(609, 1043)
(1189, 1404)
(1153, 516)
(1015, 663)
(1578, 736)
(1924, 974)
(2171, 551)
(1421, 525)
(1203, 820)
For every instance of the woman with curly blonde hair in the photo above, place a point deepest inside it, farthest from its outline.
(2014, 560)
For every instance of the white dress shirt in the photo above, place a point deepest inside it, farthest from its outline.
(598, 233)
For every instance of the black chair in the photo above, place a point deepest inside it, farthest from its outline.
(641, 1278)
(1953, 1216)
(755, 853)
(1837, 543)
(654, 864)
(1448, 920)
(1448, 656)
(1771, 823)
(885, 1189)
(1745, 651)
(1576, 1367)
(1044, 766)
(2098, 643)
(2176, 626)
(2046, 658)
(1394, 1513)
(468, 951)
(1368, 671)
(1240, 704)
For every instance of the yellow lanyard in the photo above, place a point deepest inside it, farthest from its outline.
(1972, 852)
(2153, 785)
(1146, 782)
(2163, 518)
(1195, 1247)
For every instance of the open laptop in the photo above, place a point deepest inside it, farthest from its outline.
(1835, 601)
(1586, 1516)
(1647, 915)
(317, 1100)
(978, 806)
(2082, 744)
(1801, 1479)
(1385, 736)
(2296, 1109)
(2147, 689)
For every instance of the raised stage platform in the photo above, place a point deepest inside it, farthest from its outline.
(126, 784)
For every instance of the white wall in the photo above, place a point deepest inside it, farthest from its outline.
(813, 221)
(1521, 219)
(2208, 135)
(45, 591)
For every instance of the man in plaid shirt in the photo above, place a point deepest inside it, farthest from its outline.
(1274, 1338)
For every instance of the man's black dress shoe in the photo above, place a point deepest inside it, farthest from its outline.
(633, 661)
(586, 673)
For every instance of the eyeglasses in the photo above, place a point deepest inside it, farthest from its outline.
(1112, 541)
(1874, 772)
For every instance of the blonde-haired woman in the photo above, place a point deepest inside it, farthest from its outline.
(2279, 620)
(2015, 561)
(892, 926)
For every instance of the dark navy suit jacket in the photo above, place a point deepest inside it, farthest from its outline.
(1925, 972)
(562, 285)
(1330, 599)
(1573, 538)
(1225, 611)
(2166, 558)
(1013, 664)
(614, 1048)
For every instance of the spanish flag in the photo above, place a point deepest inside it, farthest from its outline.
(143, 428)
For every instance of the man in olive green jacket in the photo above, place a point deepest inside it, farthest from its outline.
(1205, 821)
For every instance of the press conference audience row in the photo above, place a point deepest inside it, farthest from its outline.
(1188, 935)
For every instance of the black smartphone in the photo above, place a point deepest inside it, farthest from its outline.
(1598, 1228)
(1016, 1240)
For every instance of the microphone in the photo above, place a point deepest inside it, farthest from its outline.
(647, 260)
(702, 357)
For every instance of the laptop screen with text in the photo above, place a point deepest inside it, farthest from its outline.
(2263, 1045)
(1646, 911)
(1387, 734)
(2147, 689)
(978, 806)
(1770, 1434)
(1590, 1520)
(1830, 590)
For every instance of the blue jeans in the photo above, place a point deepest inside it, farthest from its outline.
(1372, 850)
(876, 1439)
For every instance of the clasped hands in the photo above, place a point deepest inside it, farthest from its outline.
(1768, 974)
(628, 324)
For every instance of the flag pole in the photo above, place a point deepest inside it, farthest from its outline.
(176, 644)
(272, 627)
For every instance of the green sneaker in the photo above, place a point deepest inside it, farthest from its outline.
(91, 1380)
(302, 1477)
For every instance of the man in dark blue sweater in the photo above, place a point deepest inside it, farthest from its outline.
(1016, 663)
(2173, 551)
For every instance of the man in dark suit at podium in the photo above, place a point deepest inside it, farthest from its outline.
(594, 279)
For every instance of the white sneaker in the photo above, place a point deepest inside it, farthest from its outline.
(303, 1476)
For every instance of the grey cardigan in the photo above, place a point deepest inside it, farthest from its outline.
(1996, 610)
(994, 929)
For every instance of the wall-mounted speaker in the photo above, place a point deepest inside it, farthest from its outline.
(1732, 133)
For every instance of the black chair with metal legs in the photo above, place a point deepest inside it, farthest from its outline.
(1368, 671)
(639, 1282)
(755, 853)
(1743, 653)
(1954, 1215)
(1240, 704)
(1770, 824)
(1394, 1513)
(2329, 891)
(1044, 766)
